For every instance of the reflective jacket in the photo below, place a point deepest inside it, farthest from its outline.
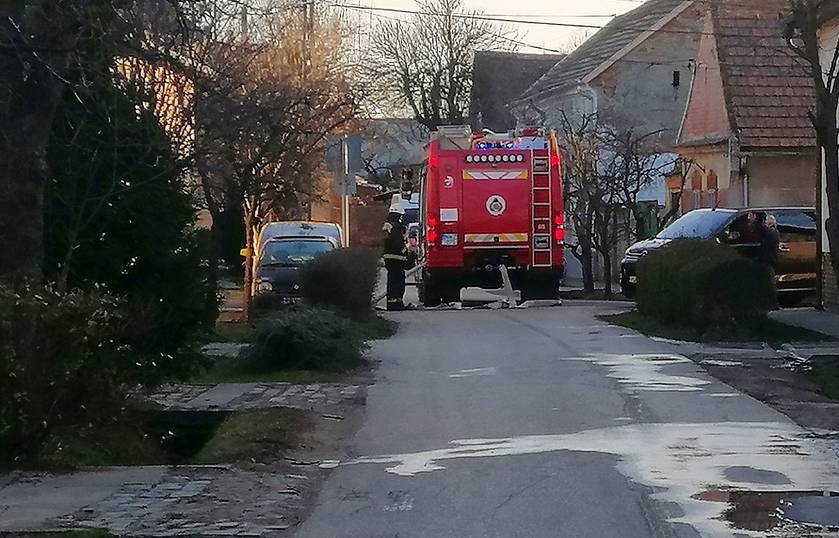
(394, 241)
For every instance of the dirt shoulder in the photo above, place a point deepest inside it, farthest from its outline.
(786, 385)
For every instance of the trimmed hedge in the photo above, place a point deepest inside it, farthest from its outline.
(306, 339)
(343, 279)
(703, 284)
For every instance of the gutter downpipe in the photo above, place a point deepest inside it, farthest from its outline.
(742, 169)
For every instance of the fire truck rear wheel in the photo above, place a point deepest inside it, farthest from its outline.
(438, 290)
(540, 286)
(451, 293)
(429, 293)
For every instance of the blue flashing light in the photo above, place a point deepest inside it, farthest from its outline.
(487, 146)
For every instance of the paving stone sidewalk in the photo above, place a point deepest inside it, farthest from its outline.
(159, 501)
(200, 501)
(241, 396)
(186, 500)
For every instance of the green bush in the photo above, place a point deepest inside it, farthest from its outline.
(306, 339)
(63, 361)
(703, 284)
(119, 213)
(344, 279)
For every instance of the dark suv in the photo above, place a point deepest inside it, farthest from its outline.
(797, 257)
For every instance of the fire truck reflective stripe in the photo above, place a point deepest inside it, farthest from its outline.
(494, 174)
(495, 238)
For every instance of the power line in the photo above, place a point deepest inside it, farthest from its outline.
(639, 28)
(473, 17)
(687, 61)
(499, 36)
(550, 16)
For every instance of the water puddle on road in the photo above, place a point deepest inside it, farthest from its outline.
(763, 511)
(646, 372)
(678, 460)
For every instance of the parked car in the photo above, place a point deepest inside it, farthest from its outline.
(279, 265)
(292, 229)
(299, 229)
(795, 271)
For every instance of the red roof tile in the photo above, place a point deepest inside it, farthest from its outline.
(767, 90)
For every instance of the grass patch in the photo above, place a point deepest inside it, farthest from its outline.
(766, 330)
(124, 441)
(825, 374)
(177, 438)
(262, 436)
(237, 371)
(231, 331)
(378, 328)
(596, 295)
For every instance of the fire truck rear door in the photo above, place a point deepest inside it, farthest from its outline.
(496, 201)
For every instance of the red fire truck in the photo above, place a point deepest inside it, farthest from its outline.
(489, 200)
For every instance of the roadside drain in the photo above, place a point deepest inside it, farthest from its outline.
(768, 510)
(183, 433)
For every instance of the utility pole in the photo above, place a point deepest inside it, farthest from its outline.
(345, 195)
(245, 24)
(308, 33)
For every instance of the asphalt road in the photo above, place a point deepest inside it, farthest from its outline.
(547, 422)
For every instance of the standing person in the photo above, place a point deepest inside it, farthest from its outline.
(395, 254)
(753, 230)
(770, 242)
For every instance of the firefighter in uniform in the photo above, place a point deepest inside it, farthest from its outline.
(395, 254)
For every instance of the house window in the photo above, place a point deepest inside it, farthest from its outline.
(713, 180)
(697, 199)
(712, 199)
(696, 181)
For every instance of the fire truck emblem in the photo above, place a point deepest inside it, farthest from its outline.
(496, 205)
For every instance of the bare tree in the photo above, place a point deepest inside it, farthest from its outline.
(264, 114)
(607, 171)
(633, 165)
(582, 158)
(630, 164)
(681, 169)
(424, 64)
(575, 40)
(803, 38)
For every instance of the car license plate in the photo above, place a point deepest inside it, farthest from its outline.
(292, 300)
(633, 279)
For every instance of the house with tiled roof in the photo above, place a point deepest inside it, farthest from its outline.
(746, 126)
(634, 72)
(499, 77)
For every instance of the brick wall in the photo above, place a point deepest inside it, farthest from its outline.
(366, 224)
(830, 290)
(707, 115)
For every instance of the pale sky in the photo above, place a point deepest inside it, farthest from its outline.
(563, 11)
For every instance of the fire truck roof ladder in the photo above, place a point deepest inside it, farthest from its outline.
(541, 197)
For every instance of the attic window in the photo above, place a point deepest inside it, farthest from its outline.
(677, 79)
